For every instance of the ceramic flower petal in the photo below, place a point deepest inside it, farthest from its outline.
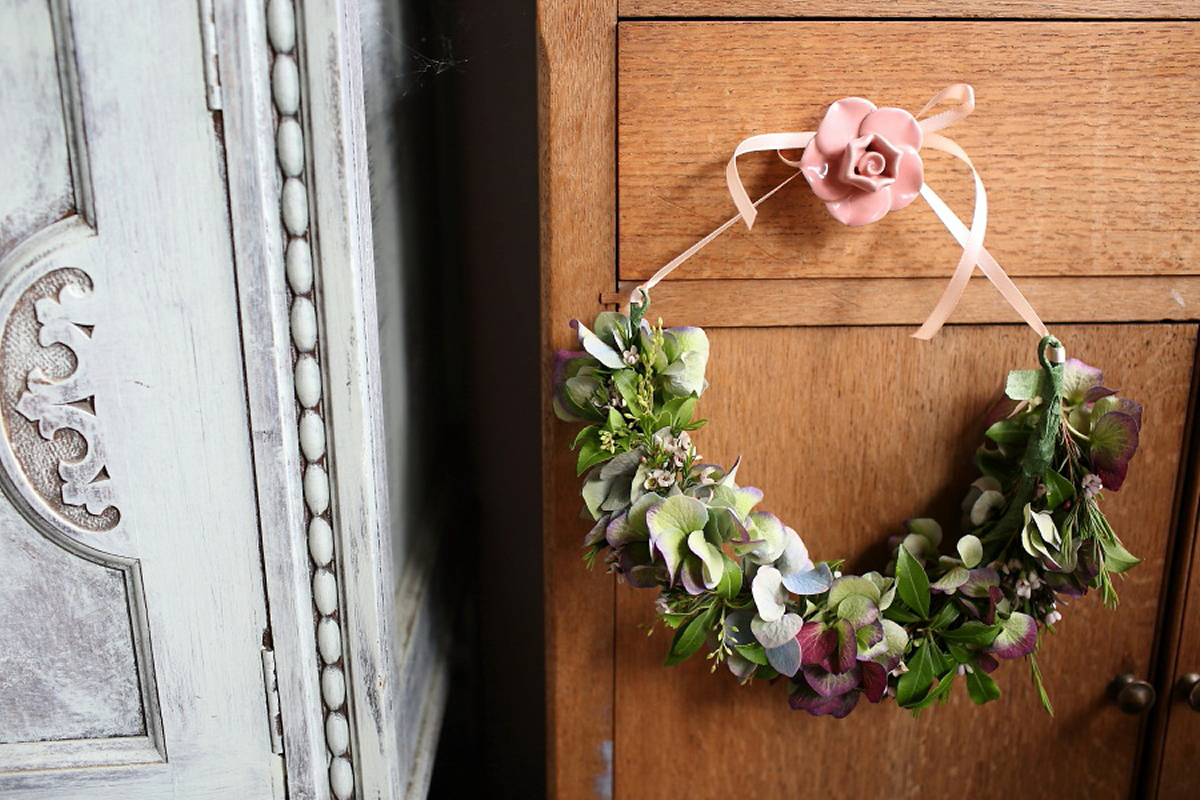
(894, 124)
(861, 208)
(841, 123)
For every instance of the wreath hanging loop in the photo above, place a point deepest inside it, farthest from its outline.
(741, 581)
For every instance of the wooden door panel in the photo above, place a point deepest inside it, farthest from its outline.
(1085, 135)
(849, 431)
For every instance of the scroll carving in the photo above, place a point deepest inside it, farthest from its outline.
(67, 404)
(50, 399)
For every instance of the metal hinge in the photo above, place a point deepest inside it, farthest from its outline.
(274, 718)
(208, 39)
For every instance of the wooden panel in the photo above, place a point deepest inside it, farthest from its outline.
(577, 120)
(1175, 738)
(1023, 9)
(898, 301)
(848, 432)
(1086, 136)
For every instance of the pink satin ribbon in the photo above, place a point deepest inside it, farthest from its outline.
(970, 239)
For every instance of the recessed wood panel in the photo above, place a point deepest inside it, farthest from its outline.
(1085, 135)
(849, 432)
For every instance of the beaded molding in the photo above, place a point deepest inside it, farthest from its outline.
(293, 203)
(742, 581)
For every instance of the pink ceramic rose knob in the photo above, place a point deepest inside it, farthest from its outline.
(863, 162)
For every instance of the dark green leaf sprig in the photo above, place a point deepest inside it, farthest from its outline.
(740, 581)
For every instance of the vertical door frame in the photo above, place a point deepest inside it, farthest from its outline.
(577, 89)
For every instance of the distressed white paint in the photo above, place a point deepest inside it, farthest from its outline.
(299, 266)
(285, 81)
(337, 734)
(289, 142)
(325, 594)
(281, 25)
(329, 640)
(316, 489)
(295, 207)
(312, 444)
(304, 324)
(320, 542)
(308, 381)
(333, 686)
(341, 778)
(164, 354)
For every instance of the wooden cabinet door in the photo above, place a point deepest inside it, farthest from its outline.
(848, 425)
(131, 579)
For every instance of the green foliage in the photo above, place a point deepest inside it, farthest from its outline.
(742, 580)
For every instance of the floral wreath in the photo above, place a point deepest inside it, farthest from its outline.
(742, 582)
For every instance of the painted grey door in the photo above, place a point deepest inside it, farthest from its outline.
(131, 579)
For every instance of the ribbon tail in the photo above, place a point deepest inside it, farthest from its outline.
(958, 282)
(972, 244)
(639, 292)
(973, 252)
(756, 144)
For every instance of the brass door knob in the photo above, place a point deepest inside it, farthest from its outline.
(1133, 696)
(1189, 687)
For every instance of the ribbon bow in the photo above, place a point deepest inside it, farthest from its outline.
(876, 174)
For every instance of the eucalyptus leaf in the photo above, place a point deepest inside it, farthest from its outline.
(970, 550)
(785, 659)
(809, 582)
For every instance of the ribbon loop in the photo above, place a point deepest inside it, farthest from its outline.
(970, 239)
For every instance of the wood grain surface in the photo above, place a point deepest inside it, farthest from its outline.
(1173, 745)
(899, 301)
(1020, 9)
(849, 432)
(1085, 134)
(577, 126)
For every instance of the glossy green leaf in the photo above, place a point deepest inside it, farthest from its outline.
(690, 637)
(1058, 489)
(752, 652)
(915, 684)
(944, 617)
(975, 633)
(981, 687)
(731, 580)
(912, 584)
